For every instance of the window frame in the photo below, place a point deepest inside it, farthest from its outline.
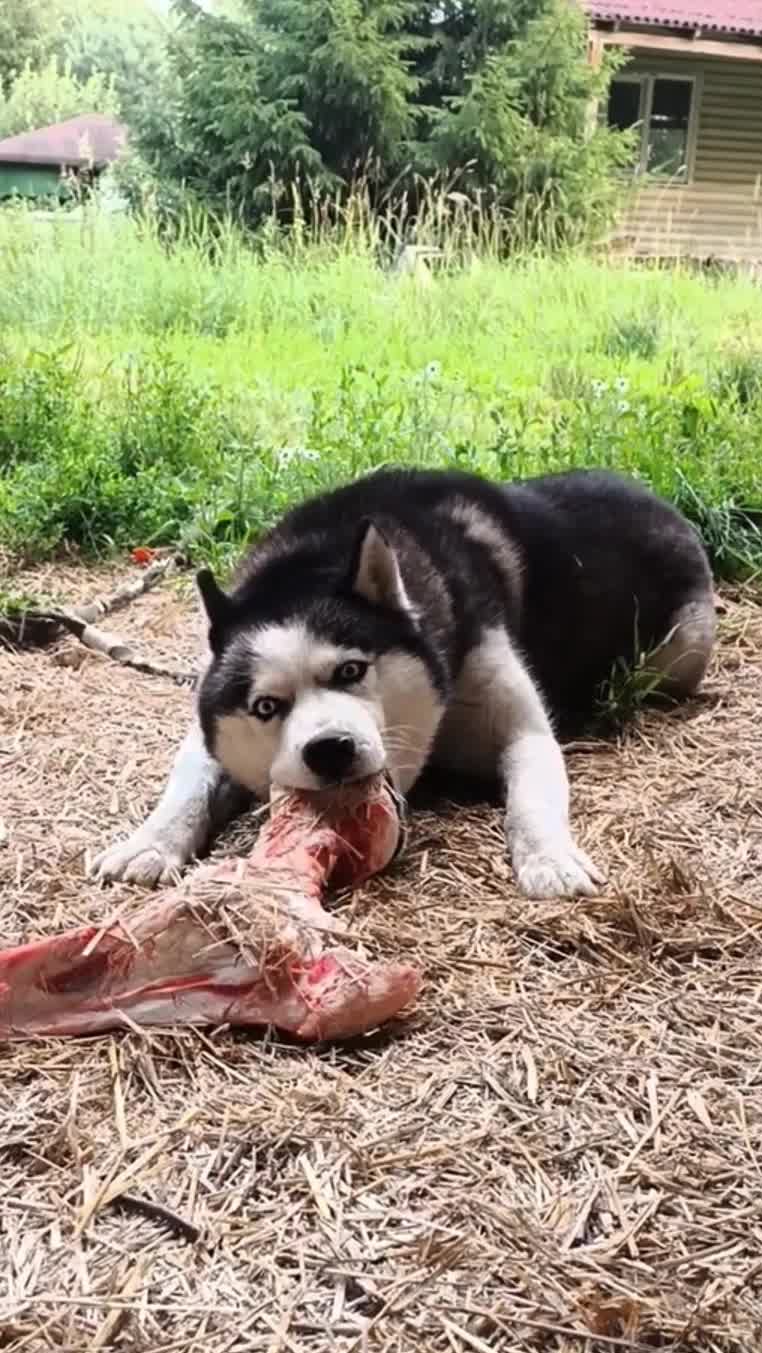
(646, 80)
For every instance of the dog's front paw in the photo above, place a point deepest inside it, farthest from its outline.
(146, 858)
(557, 869)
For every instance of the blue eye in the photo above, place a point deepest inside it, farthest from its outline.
(266, 707)
(351, 671)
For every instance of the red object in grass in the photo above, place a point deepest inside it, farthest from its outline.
(241, 942)
(142, 556)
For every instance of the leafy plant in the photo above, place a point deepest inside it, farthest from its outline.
(52, 93)
(626, 692)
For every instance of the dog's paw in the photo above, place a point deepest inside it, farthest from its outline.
(145, 858)
(558, 870)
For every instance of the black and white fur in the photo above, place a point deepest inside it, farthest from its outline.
(418, 617)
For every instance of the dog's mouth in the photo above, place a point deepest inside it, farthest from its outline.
(313, 778)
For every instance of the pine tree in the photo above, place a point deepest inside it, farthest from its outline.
(495, 92)
(348, 67)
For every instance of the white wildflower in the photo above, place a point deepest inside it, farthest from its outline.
(598, 388)
(621, 385)
(623, 406)
(432, 371)
(289, 454)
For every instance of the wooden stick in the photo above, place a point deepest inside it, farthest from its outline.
(42, 625)
(114, 647)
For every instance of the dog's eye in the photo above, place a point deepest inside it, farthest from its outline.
(266, 707)
(351, 671)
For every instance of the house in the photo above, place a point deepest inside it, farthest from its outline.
(693, 89)
(44, 163)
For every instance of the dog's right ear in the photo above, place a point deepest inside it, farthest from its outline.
(217, 605)
(374, 570)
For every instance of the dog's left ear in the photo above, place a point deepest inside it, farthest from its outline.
(375, 572)
(216, 603)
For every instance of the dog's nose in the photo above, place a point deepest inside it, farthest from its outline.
(330, 758)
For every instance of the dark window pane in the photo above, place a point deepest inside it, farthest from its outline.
(668, 126)
(624, 104)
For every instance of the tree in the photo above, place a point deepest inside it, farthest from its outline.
(304, 90)
(523, 127)
(24, 36)
(498, 90)
(52, 93)
(348, 67)
(211, 124)
(126, 39)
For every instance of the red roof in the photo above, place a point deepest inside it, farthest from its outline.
(719, 16)
(89, 139)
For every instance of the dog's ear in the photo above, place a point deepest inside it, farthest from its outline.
(374, 570)
(217, 605)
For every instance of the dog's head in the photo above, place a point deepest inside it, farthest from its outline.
(318, 673)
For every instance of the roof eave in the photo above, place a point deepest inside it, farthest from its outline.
(46, 162)
(729, 35)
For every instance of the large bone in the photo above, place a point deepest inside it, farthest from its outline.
(240, 942)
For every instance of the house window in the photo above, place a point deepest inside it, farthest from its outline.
(662, 108)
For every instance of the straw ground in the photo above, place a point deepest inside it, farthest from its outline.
(560, 1149)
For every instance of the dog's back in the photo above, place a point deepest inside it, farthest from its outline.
(583, 567)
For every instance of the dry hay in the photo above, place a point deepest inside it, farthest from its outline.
(565, 1137)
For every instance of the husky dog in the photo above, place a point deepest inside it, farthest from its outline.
(417, 617)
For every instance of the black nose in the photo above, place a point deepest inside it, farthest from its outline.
(330, 758)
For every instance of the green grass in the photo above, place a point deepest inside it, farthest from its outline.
(188, 396)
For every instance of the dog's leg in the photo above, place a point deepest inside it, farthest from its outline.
(198, 800)
(545, 856)
(498, 719)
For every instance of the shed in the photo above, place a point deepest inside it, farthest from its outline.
(693, 90)
(36, 164)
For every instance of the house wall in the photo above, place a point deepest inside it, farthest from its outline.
(28, 180)
(719, 212)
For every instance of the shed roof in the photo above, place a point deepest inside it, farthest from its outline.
(88, 139)
(720, 16)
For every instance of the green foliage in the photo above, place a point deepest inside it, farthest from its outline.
(42, 406)
(629, 688)
(65, 54)
(51, 93)
(268, 94)
(346, 66)
(523, 124)
(214, 127)
(201, 390)
(24, 38)
(739, 375)
(637, 335)
(122, 39)
(278, 108)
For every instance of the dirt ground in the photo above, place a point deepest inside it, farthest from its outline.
(561, 1147)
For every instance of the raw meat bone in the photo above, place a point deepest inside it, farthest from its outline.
(240, 942)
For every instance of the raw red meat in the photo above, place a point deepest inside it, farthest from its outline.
(241, 941)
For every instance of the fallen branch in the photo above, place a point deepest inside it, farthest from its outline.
(38, 626)
(113, 647)
(128, 592)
